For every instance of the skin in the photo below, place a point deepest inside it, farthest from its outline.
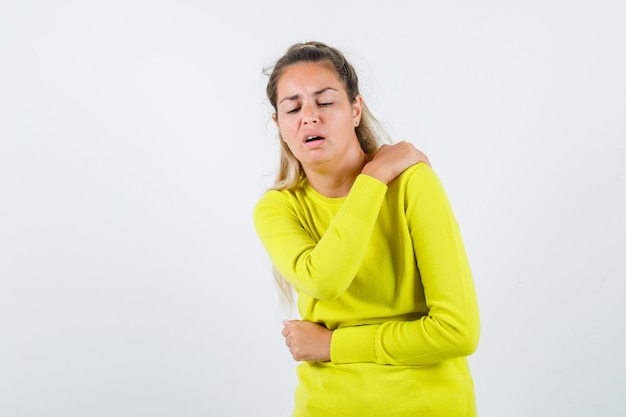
(312, 101)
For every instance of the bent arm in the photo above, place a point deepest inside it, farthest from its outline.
(323, 269)
(451, 327)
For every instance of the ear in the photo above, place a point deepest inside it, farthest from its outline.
(275, 119)
(357, 107)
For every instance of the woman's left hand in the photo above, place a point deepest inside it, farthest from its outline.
(307, 341)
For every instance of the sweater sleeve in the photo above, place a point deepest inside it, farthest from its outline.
(323, 269)
(451, 327)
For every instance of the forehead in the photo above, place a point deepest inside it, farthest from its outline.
(307, 77)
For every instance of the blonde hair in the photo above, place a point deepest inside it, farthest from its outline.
(369, 132)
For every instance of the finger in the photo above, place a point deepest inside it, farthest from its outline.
(287, 330)
(287, 326)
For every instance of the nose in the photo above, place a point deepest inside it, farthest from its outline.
(309, 115)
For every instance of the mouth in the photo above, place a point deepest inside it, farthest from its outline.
(313, 139)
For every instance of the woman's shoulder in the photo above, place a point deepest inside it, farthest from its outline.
(418, 180)
(419, 172)
(274, 197)
(272, 203)
(283, 198)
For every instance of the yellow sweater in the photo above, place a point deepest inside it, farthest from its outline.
(385, 268)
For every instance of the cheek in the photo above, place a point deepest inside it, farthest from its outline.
(287, 130)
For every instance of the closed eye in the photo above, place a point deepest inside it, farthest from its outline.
(325, 104)
(293, 110)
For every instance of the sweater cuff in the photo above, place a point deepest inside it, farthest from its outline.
(353, 344)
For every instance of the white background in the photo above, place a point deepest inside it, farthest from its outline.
(135, 138)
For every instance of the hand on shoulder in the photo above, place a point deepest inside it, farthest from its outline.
(391, 160)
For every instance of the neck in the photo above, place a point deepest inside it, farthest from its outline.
(336, 181)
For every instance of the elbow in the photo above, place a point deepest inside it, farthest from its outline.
(466, 338)
(325, 287)
(325, 293)
(319, 289)
(459, 337)
(468, 343)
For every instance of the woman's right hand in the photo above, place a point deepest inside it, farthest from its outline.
(391, 160)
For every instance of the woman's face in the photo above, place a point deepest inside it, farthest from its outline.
(315, 117)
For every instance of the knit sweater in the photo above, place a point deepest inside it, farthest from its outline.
(386, 269)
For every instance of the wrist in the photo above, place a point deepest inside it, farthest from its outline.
(374, 172)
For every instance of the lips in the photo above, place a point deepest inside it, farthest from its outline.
(313, 138)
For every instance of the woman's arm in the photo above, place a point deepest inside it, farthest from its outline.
(322, 268)
(325, 268)
(450, 329)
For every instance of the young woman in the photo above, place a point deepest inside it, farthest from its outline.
(365, 234)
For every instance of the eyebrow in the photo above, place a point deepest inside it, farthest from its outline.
(316, 93)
